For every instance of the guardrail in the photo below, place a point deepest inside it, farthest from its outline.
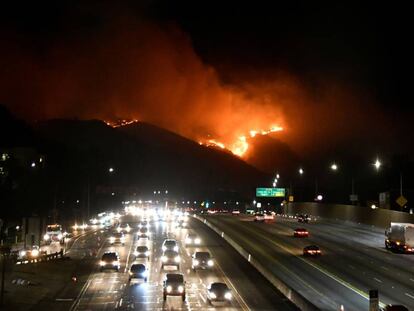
(301, 302)
(41, 258)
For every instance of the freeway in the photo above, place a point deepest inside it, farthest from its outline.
(111, 290)
(353, 260)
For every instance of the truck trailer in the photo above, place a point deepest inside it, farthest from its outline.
(400, 237)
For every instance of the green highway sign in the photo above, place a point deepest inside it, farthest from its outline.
(270, 192)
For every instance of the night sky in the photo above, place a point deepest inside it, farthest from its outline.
(332, 74)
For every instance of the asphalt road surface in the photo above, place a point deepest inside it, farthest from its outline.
(110, 290)
(353, 260)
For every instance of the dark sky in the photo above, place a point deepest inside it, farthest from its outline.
(327, 71)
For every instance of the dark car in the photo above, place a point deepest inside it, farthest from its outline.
(304, 218)
(218, 292)
(311, 250)
(143, 233)
(202, 260)
(117, 238)
(138, 271)
(174, 285)
(110, 260)
(301, 233)
(192, 239)
(142, 252)
(170, 258)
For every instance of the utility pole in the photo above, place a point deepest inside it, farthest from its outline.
(88, 198)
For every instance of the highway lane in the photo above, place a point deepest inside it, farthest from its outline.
(349, 267)
(110, 290)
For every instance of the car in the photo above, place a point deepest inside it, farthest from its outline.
(260, 217)
(300, 233)
(123, 228)
(235, 212)
(142, 252)
(170, 244)
(117, 238)
(174, 285)
(143, 224)
(182, 224)
(170, 258)
(138, 271)
(143, 233)
(110, 260)
(395, 308)
(218, 292)
(303, 218)
(202, 260)
(192, 239)
(31, 253)
(269, 216)
(311, 250)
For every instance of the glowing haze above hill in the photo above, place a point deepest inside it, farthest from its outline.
(140, 70)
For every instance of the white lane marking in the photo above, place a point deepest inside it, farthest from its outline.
(412, 280)
(129, 253)
(64, 299)
(378, 280)
(202, 298)
(385, 268)
(409, 295)
(238, 297)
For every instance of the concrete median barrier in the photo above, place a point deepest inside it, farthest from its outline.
(379, 217)
(297, 299)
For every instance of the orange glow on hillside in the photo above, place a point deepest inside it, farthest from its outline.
(240, 145)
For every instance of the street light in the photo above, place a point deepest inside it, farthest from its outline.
(301, 171)
(334, 167)
(377, 164)
(111, 170)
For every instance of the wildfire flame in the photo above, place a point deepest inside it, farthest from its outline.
(241, 145)
(120, 123)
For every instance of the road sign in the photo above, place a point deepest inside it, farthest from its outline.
(401, 201)
(270, 192)
(353, 197)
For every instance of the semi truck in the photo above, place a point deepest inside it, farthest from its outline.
(400, 237)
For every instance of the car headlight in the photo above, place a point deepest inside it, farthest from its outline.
(60, 236)
(196, 262)
(227, 295)
(163, 258)
(145, 273)
(115, 263)
(180, 288)
(176, 248)
(197, 241)
(22, 253)
(177, 259)
(136, 253)
(46, 237)
(169, 289)
(188, 240)
(130, 273)
(164, 248)
(213, 295)
(147, 253)
(35, 253)
(122, 240)
(118, 229)
(102, 263)
(210, 263)
(128, 229)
